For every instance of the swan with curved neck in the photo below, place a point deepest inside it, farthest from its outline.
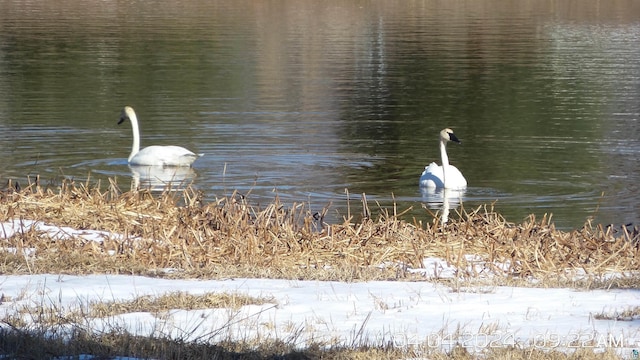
(446, 176)
(155, 155)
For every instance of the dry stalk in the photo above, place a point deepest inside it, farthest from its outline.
(150, 233)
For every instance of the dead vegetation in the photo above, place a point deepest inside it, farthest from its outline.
(629, 314)
(117, 345)
(177, 234)
(39, 316)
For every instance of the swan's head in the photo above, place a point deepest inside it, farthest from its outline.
(127, 114)
(448, 135)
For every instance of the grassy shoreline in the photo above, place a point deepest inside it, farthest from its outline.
(177, 235)
(145, 234)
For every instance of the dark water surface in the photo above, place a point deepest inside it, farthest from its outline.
(305, 99)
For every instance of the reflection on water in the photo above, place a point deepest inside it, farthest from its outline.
(161, 178)
(306, 99)
(443, 200)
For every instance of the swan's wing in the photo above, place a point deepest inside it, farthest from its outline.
(432, 176)
(455, 179)
(433, 167)
(164, 156)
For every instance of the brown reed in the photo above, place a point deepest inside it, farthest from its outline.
(230, 237)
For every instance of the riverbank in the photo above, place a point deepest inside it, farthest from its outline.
(477, 262)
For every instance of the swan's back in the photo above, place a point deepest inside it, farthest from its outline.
(433, 177)
(169, 155)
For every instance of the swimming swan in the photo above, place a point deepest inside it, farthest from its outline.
(169, 155)
(445, 176)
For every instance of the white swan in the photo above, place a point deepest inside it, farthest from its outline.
(169, 155)
(445, 176)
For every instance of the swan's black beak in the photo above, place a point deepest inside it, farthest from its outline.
(454, 138)
(121, 121)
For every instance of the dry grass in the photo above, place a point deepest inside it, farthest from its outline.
(176, 300)
(39, 315)
(40, 346)
(229, 237)
(179, 235)
(628, 314)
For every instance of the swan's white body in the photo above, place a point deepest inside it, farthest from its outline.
(155, 155)
(446, 176)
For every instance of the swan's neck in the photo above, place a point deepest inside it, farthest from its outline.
(136, 136)
(445, 161)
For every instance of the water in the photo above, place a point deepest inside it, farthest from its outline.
(317, 102)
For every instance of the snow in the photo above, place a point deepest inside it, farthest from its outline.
(425, 314)
(10, 228)
(378, 312)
